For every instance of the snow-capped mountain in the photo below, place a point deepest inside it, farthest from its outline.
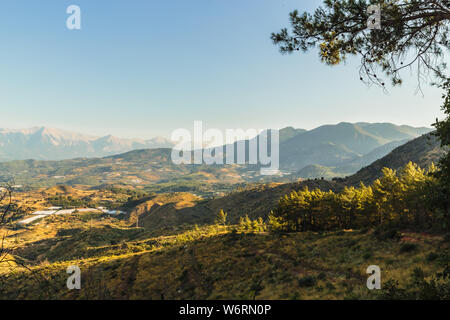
(42, 143)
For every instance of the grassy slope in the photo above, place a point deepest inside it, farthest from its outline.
(213, 263)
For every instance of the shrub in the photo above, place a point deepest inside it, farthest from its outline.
(307, 281)
(321, 276)
(367, 255)
(384, 233)
(447, 237)
(330, 286)
(364, 230)
(408, 247)
(418, 288)
(432, 256)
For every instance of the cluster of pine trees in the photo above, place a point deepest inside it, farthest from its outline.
(398, 198)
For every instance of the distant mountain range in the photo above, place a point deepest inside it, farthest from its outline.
(338, 150)
(349, 146)
(41, 143)
(329, 145)
(153, 168)
(327, 151)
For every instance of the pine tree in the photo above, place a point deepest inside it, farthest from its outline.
(442, 200)
(275, 224)
(401, 198)
(412, 33)
(221, 218)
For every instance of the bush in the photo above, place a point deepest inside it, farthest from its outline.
(321, 276)
(330, 286)
(367, 255)
(447, 237)
(432, 256)
(408, 247)
(418, 288)
(384, 233)
(308, 281)
(364, 230)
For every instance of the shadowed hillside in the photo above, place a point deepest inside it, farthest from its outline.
(422, 151)
(181, 209)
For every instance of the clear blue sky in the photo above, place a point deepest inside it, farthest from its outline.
(143, 68)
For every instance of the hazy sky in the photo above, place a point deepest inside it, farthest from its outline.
(145, 67)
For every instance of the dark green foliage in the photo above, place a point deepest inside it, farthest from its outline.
(70, 202)
(418, 287)
(447, 237)
(307, 281)
(321, 276)
(364, 230)
(388, 232)
(330, 286)
(367, 255)
(432, 256)
(423, 151)
(408, 247)
(441, 199)
(396, 200)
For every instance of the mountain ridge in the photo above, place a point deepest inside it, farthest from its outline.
(423, 151)
(333, 145)
(44, 143)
